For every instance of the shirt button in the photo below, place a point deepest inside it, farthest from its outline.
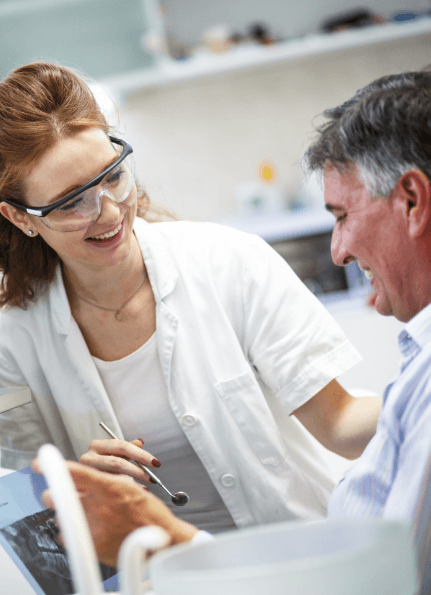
(228, 481)
(188, 420)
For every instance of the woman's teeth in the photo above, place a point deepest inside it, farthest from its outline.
(369, 275)
(108, 235)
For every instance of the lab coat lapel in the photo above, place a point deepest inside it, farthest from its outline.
(167, 325)
(90, 384)
(163, 277)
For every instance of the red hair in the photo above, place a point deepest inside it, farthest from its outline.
(39, 104)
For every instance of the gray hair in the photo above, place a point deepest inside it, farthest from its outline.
(384, 130)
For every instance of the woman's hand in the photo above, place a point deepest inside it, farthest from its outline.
(113, 456)
(115, 507)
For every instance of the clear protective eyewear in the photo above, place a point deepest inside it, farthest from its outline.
(83, 206)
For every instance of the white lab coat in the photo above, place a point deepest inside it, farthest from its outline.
(242, 343)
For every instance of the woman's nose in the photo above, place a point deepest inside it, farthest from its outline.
(108, 207)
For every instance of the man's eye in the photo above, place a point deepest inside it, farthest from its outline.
(341, 218)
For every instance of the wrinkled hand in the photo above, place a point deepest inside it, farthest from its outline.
(113, 456)
(115, 507)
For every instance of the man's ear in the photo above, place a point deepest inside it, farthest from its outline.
(18, 218)
(414, 192)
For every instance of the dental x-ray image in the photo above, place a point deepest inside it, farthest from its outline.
(34, 540)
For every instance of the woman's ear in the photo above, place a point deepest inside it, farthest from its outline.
(18, 218)
(414, 191)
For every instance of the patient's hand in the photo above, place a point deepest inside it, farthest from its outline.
(113, 456)
(115, 507)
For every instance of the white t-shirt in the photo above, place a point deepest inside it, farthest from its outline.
(138, 394)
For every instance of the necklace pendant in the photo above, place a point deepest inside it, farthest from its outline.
(118, 316)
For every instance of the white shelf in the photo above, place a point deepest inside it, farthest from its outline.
(169, 72)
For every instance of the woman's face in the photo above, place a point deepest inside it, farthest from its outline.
(69, 164)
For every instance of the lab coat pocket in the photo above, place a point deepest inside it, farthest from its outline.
(247, 406)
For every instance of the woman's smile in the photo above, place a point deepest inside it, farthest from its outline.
(108, 239)
(107, 235)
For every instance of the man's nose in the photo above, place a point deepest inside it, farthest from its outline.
(339, 252)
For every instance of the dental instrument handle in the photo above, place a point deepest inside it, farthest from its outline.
(180, 498)
(150, 473)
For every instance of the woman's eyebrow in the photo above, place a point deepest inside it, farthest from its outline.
(64, 193)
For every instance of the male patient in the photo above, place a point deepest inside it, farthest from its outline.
(375, 155)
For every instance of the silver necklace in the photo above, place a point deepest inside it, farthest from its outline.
(118, 315)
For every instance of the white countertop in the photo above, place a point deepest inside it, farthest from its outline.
(5, 471)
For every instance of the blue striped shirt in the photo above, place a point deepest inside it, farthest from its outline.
(385, 481)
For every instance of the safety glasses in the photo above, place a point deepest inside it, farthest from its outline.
(82, 207)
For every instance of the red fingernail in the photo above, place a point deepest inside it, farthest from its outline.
(156, 463)
(145, 488)
(142, 440)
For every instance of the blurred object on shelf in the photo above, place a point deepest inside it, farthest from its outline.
(154, 41)
(217, 39)
(221, 38)
(266, 172)
(404, 16)
(155, 44)
(170, 45)
(260, 196)
(354, 19)
(260, 33)
(177, 51)
(237, 38)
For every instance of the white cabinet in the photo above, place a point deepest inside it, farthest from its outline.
(99, 38)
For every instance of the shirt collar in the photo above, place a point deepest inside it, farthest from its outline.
(419, 327)
(415, 336)
(161, 268)
(59, 303)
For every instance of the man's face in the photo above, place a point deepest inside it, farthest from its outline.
(371, 232)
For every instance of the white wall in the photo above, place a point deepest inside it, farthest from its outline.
(194, 143)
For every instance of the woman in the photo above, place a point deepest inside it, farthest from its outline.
(190, 336)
